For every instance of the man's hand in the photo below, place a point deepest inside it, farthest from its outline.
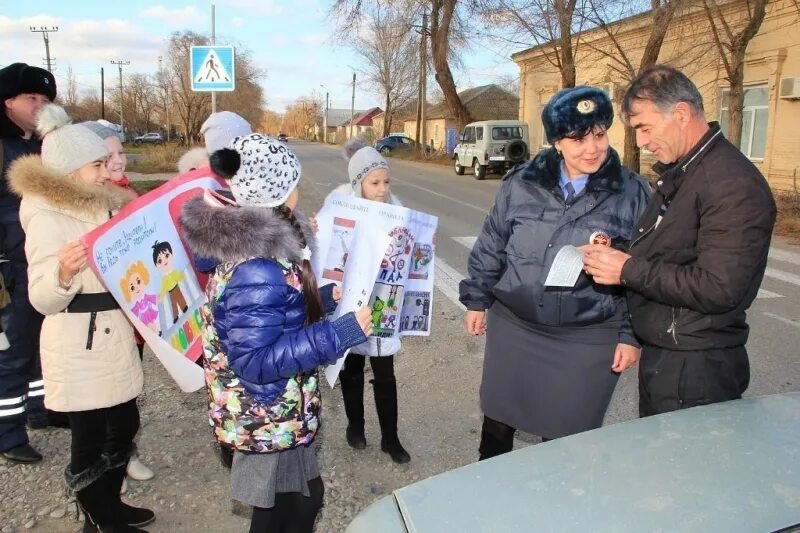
(475, 322)
(604, 264)
(625, 356)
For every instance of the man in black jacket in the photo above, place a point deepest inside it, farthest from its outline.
(699, 254)
(23, 91)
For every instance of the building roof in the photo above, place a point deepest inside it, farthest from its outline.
(482, 103)
(338, 117)
(364, 118)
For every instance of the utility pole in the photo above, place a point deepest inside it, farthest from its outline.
(121, 94)
(166, 93)
(325, 117)
(46, 34)
(102, 94)
(353, 105)
(423, 79)
(214, 41)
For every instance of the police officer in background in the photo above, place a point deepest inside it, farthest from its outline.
(23, 91)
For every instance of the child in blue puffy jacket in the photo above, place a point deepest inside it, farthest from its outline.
(264, 331)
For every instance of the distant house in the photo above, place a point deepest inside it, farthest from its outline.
(400, 116)
(487, 102)
(362, 124)
(334, 119)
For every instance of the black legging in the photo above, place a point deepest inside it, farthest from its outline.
(292, 512)
(382, 367)
(101, 431)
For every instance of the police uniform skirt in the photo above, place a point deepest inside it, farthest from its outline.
(545, 380)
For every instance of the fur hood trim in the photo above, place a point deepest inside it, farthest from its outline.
(238, 233)
(346, 190)
(194, 158)
(28, 177)
(545, 169)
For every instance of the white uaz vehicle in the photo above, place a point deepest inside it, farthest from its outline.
(491, 145)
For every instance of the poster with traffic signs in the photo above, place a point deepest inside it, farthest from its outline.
(213, 68)
(401, 297)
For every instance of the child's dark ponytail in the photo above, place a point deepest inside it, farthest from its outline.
(314, 308)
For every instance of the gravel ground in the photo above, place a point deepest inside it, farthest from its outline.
(438, 381)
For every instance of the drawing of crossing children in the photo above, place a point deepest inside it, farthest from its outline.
(134, 285)
(163, 260)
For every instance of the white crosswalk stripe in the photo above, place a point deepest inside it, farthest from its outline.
(774, 253)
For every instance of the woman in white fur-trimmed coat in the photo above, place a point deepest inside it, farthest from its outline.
(369, 178)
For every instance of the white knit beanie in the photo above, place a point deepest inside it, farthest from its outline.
(67, 147)
(362, 159)
(262, 171)
(221, 128)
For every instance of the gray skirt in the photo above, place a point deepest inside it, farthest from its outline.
(547, 381)
(257, 477)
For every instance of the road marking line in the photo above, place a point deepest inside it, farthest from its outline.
(779, 318)
(782, 276)
(446, 280)
(784, 255)
(764, 293)
(465, 204)
(467, 242)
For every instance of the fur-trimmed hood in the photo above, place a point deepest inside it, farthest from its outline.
(28, 177)
(236, 233)
(545, 169)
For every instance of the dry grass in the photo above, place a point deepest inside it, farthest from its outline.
(436, 158)
(143, 186)
(152, 159)
(788, 223)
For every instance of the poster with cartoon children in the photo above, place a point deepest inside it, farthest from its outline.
(142, 259)
(407, 264)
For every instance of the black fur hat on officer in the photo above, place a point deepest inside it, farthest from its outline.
(19, 78)
(574, 111)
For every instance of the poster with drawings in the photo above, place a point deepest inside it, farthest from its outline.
(142, 259)
(407, 265)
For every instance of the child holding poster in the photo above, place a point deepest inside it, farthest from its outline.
(369, 179)
(90, 364)
(264, 334)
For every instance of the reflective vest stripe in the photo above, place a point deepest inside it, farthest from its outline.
(36, 384)
(11, 412)
(14, 401)
(33, 393)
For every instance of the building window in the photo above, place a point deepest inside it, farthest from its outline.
(754, 119)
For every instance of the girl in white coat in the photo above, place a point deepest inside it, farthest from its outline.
(369, 178)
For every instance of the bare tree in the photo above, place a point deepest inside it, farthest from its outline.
(731, 37)
(389, 51)
(447, 30)
(548, 23)
(270, 122)
(604, 16)
(71, 94)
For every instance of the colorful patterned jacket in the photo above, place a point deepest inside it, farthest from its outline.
(259, 356)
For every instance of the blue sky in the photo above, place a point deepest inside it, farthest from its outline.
(291, 39)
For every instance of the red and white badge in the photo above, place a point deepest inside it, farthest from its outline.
(600, 237)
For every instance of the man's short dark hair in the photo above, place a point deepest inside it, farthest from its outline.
(664, 86)
(160, 248)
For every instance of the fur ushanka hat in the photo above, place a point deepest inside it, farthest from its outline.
(262, 171)
(576, 109)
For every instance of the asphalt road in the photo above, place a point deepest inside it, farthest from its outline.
(461, 203)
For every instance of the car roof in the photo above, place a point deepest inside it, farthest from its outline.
(729, 466)
(498, 123)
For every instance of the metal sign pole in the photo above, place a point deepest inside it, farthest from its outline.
(214, 41)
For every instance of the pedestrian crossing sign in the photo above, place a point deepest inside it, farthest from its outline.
(212, 68)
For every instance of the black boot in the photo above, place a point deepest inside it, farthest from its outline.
(352, 380)
(497, 438)
(386, 405)
(128, 515)
(97, 501)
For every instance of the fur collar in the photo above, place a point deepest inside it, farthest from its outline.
(545, 169)
(28, 177)
(238, 233)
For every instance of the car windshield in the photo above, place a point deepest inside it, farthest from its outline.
(506, 133)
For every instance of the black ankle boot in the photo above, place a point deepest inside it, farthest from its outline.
(386, 405)
(353, 396)
(127, 514)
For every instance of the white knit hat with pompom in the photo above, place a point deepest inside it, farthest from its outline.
(67, 147)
